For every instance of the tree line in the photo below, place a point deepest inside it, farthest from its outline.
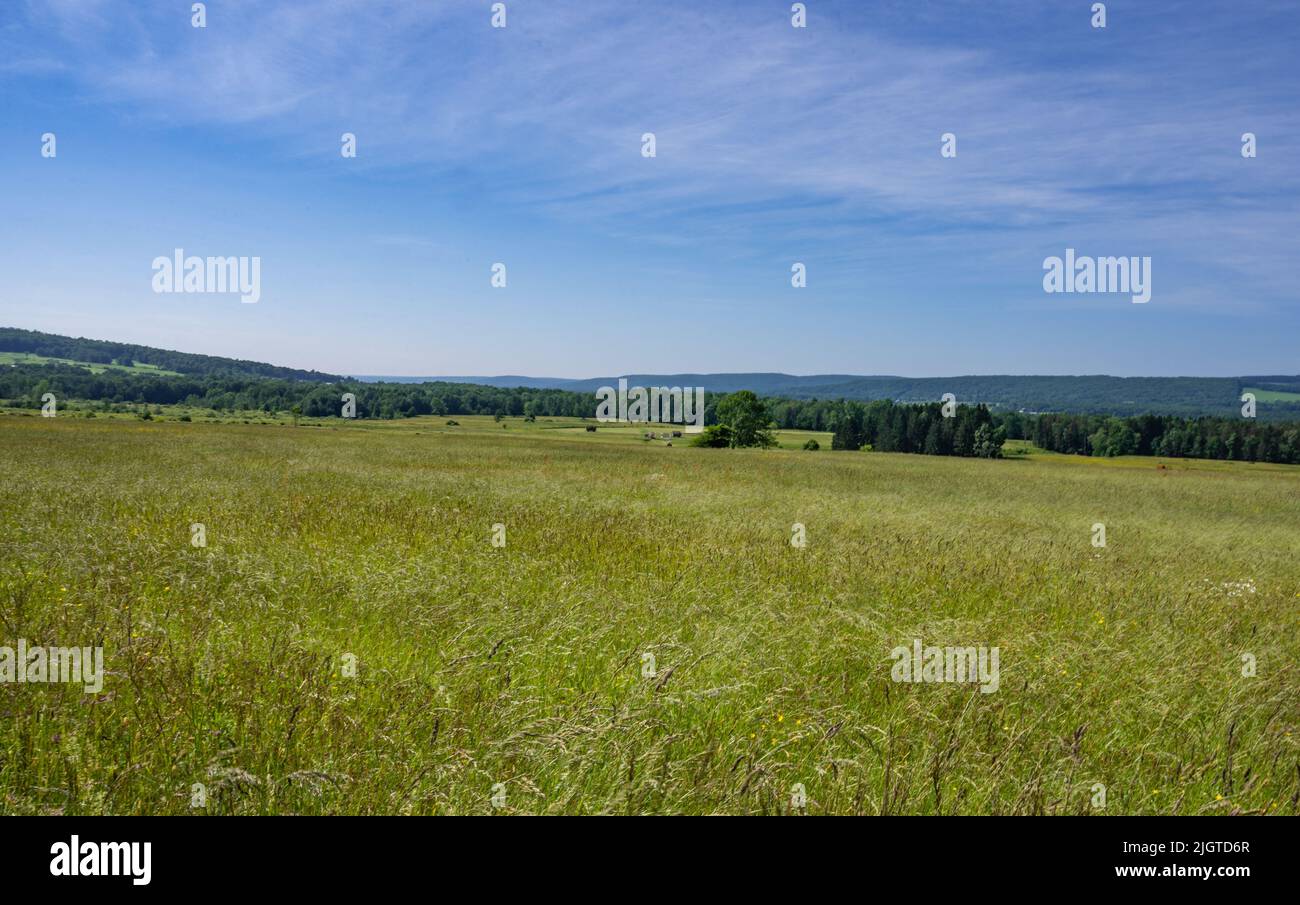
(23, 385)
(932, 428)
(1241, 439)
(973, 430)
(890, 430)
(1122, 397)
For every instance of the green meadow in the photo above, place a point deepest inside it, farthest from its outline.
(354, 637)
(137, 367)
(1273, 395)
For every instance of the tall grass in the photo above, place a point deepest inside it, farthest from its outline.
(522, 665)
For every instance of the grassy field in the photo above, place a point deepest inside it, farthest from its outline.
(138, 367)
(1273, 395)
(517, 671)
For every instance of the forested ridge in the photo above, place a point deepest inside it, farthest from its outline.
(882, 425)
(23, 385)
(99, 351)
(1097, 394)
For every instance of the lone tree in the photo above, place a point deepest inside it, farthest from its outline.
(748, 419)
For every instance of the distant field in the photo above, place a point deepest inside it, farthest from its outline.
(12, 358)
(1271, 395)
(559, 427)
(520, 668)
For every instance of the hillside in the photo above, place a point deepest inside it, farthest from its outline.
(1278, 396)
(80, 350)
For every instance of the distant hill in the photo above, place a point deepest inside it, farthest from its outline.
(99, 352)
(765, 384)
(1278, 396)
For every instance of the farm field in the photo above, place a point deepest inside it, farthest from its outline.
(138, 368)
(1273, 395)
(647, 640)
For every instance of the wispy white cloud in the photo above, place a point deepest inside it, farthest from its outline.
(761, 127)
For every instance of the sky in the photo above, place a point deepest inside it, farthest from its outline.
(522, 145)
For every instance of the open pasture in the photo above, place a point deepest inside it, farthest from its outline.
(647, 640)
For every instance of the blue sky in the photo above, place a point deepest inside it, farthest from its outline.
(774, 145)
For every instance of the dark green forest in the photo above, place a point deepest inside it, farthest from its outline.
(22, 386)
(918, 428)
(1154, 435)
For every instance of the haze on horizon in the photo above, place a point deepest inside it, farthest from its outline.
(774, 145)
